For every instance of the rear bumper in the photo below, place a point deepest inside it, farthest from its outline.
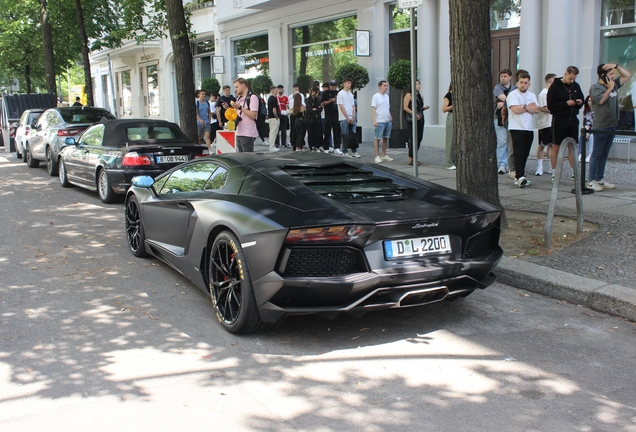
(381, 289)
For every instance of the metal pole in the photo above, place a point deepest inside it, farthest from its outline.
(413, 95)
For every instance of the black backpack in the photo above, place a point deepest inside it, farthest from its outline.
(262, 109)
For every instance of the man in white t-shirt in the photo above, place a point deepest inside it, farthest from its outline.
(522, 105)
(381, 115)
(544, 124)
(347, 117)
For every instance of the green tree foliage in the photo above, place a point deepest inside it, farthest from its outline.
(211, 85)
(359, 75)
(304, 83)
(399, 77)
(261, 84)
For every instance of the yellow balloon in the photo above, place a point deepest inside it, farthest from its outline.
(231, 114)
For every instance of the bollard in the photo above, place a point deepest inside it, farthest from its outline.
(571, 144)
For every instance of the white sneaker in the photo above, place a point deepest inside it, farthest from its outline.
(330, 150)
(452, 167)
(378, 159)
(502, 170)
(386, 158)
(274, 150)
(522, 182)
(349, 155)
(539, 171)
(606, 185)
(587, 159)
(338, 152)
(357, 155)
(512, 174)
(595, 186)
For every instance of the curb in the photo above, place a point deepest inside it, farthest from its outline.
(594, 294)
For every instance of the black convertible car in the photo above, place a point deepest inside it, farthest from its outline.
(272, 235)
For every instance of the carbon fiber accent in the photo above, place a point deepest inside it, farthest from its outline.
(478, 245)
(320, 263)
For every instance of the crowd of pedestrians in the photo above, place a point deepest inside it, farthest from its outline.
(326, 119)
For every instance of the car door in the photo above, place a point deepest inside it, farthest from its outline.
(167, 217)
(92, 152)
(36, 138)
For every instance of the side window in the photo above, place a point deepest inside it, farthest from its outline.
(93, 135)
(23, 119)
(189, 179)
(52, 119)
(217, 180)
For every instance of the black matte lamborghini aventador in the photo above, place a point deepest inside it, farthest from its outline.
(271, 235)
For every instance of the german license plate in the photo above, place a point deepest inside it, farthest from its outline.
(417, 247)
(172, 159)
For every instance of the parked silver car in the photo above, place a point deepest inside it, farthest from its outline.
(27, 122)
(45, 142)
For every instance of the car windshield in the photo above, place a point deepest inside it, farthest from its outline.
(85, 116)
(140, 133)
(344, 181)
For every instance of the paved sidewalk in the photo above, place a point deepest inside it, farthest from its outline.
(599, 271)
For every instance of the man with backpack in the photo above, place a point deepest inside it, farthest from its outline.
(204, 115)
(247, 106)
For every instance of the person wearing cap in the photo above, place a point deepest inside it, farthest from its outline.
(330, 107)
(283, 103)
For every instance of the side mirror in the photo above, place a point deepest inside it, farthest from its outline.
(143, 181)
(69, 141)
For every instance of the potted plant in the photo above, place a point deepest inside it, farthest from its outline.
(304, 83)
(359, 79)
(399, 77)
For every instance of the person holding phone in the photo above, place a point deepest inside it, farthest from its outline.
(604, 95)
(565, 99)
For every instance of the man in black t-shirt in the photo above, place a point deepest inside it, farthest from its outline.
(223, 103)
(272, 118)
(330, 105)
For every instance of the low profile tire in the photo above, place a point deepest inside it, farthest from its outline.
(62, 174)
(135, 228)
(32, 163)
(51, 165)
(106, 193)
(231, 287)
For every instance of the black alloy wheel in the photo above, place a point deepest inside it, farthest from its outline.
(51, 165)
(135, 228)
(106, 193)
(62, 174)
(231, 287)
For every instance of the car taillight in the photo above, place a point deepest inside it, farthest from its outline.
(204, 153)
(135, 159)
(328, 234)
(67, 132)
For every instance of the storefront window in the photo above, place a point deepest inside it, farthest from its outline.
(319, 49)
(152, 87)
(251, 56)
(400, 18)
(618, 12)
(125, 94)
(202, 53)
(618, 45)
(505, 14)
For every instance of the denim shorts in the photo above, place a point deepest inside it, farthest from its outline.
(383, 130)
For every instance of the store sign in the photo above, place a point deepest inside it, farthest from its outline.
(408, 4)
(328, 51)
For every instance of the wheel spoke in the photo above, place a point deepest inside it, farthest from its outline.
(225, 282)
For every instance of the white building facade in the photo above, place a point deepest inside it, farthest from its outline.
(295, 40)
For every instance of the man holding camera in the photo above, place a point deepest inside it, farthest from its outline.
(247, 107)
(604, 96)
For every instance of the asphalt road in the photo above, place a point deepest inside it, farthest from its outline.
(92, 338)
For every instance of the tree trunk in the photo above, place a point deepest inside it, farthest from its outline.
(178, 30)
(47, 42)
(474, 132)
(27, 78)
(88, 82)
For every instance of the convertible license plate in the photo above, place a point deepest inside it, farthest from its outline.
(172, 159)
(417, 246)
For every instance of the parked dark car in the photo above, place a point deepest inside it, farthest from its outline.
(109, 154)
(51, 130)
(271, 235)
(27, 122)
